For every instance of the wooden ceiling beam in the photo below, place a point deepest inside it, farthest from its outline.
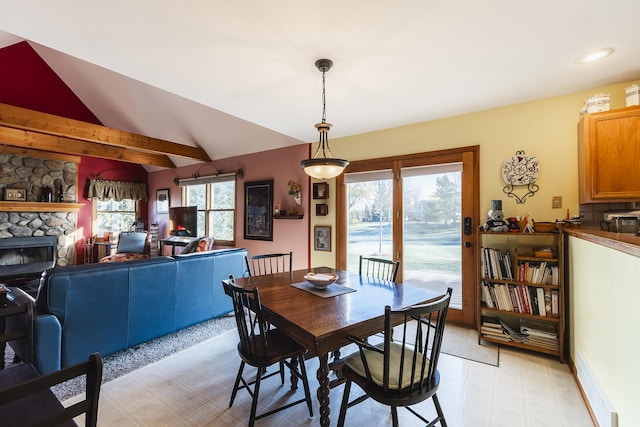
(35, 121)
(58, 144)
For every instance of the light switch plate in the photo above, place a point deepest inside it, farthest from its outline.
(556, 202)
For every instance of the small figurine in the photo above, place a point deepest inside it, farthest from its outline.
(495, 218)
(513, 226)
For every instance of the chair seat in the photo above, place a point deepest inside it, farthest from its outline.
(279, 346)
(31, 408)
(124, 257)
(375, 362)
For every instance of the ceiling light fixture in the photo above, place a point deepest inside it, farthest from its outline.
(325, 166)
(594, 56)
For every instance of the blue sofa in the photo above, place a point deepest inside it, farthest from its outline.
(109, 307)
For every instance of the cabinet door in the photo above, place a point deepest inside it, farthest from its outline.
(609, 154)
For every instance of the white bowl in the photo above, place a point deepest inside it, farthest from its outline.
(321, 280)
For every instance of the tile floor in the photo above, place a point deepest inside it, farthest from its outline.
(192, 388)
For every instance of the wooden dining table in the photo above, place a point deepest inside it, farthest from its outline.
(324, 324)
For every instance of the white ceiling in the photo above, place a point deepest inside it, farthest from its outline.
(236, 77)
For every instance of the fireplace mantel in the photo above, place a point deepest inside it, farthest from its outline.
(39, 207)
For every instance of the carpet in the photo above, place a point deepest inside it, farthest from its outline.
(458, 342)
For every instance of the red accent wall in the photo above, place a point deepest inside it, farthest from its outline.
(27, 81)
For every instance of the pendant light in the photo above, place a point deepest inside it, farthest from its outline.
(323, 165)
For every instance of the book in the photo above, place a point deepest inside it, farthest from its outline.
(540, 299)
(547, 302)
(554, 303)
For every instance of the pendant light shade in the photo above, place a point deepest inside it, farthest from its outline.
(323, 165)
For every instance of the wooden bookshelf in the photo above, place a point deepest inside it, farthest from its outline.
(519, 288)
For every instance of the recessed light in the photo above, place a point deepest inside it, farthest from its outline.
(594, 56)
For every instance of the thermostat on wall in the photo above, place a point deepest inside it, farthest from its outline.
(15, 194)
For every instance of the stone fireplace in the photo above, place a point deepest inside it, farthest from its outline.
(39, 220)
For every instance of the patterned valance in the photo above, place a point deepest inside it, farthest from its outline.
(116, 190)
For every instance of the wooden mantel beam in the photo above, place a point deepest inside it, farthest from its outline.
(58, 144)
(69, 129)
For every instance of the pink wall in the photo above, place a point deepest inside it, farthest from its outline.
(281, 165)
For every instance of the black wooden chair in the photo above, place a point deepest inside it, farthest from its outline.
(259, 265)
(403, 372)
(261, 346)
(25, 395)
(379, 268)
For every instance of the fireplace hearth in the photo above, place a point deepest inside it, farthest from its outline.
(25, 258)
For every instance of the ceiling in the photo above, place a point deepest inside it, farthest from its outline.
(239, 77)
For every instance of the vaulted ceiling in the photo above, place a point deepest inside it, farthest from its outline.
(234, 78)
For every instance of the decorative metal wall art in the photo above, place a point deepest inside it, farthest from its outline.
(520, 170)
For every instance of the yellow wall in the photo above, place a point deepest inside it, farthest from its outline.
(604, 319)
(605, 283)
(545, 129)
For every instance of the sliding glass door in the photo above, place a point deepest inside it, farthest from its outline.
(413, 210)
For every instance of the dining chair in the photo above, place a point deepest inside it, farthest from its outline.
(258, 265)
(400, 372)
(379, 268)
(262, 346)
(25, 395)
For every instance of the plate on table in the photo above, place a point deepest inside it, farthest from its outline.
(321, 280)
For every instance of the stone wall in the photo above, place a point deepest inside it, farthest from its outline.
(33, 174)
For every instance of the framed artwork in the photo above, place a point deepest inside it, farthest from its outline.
(320, 190)
(162, 200)
(258, 210)
(322, 209)
(322, 238)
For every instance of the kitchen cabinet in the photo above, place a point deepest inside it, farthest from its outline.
(609, 155)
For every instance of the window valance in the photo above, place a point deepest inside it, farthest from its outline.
(116, 190)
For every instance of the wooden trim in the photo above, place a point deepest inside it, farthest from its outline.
(59, 144)
(92, 135)
(39, 207)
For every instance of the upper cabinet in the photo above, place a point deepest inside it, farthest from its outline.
(609, 156)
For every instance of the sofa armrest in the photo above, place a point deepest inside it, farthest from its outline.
(47, 334)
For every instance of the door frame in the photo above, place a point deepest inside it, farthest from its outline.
(469, 156)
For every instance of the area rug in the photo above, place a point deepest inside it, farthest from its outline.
(125, 361)
(463, 342)
(458, 342)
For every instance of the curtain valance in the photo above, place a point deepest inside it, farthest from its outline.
(116, 190)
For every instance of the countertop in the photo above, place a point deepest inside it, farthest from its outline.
(624, 242)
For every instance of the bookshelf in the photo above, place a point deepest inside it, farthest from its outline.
(520, 288)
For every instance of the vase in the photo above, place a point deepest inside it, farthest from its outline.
(297, 199)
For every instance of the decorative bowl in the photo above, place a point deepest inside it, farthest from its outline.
(321, 280)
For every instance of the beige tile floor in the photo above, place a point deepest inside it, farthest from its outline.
(192, 388)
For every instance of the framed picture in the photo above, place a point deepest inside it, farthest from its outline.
(258, 210)
(320, 190)
(322, 238)
(162, 200)
(322, 209)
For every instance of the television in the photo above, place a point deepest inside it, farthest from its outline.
(183, 221)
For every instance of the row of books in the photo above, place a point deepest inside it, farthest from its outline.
(538, 272)
(521, 298)
(530, 331)
(496, 264)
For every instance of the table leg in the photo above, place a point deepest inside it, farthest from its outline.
(323, 389)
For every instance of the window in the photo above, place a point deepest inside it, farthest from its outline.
(216, 202)
(114, 216)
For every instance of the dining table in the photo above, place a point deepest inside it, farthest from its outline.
(323, 320)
